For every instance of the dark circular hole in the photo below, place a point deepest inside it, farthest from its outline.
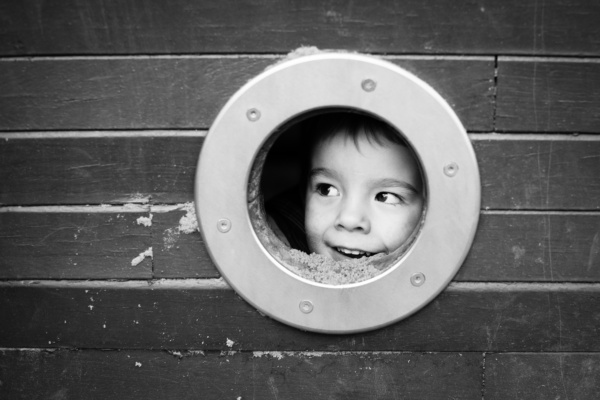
(282, 176)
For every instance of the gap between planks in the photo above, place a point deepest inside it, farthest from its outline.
(201, 133)
(267, 56)
(279, 56)
(546, 59)
(102, 134)
(221, 284)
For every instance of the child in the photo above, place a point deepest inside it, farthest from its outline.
(362, 190)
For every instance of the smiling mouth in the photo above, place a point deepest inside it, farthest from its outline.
(353, 253)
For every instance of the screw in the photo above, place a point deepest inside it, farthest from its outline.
(306, 306)
(224, 225)
(368, 85)
(417, 279)
(253, 114)
(451, 169)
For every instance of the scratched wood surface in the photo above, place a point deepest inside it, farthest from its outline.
(200, 315)
(542, 376)
(248, 375)
(508, 246)
(105, 103)
(564, 27)
(548, 95)
(186, 92)
(67, 245)
(102, 170)
(541, 173)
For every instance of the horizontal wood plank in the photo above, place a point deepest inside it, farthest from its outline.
(207, 316)
(508, 247)
(542, 247)
(102, 170)
(93, 374)
(107, 93)
(542, 376)
(545, 95)
(547, 173)
(185, 26)
(520, 247)
(186, 92)
(544, 174)
(179, 253)
(63, 245)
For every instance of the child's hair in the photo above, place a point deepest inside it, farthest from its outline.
(351, 125)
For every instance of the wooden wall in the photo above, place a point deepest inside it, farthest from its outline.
(103, 109)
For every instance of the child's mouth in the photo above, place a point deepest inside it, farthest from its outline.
(353, 253)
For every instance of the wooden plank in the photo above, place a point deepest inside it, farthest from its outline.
(508, 247)
(187, 375)
(99, 170)
(537, 173)
(122, 93)
(179, 253)
(208, 316)
(68, 245)
(546, 95)
(526, 27)
(186, 92)
(542, 376)
(542, 247)
(522, 247)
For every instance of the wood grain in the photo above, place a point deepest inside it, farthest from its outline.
(542, 247)
(67, 245)
(122, 93)
(195, 315)
(177, 253)
(508, 247)
(186, 92)
(186, 375)
(567, 27)
(542, 376)
(541, 173)
(548, 95)
(103, 170)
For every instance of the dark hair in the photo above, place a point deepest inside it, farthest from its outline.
(352, 125)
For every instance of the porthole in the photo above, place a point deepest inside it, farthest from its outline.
(271, 112)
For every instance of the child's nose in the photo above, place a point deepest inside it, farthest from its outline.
(352, 216)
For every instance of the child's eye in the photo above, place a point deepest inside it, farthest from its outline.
(325, 189)
(389, 198)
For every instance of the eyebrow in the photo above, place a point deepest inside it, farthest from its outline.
(390, 182)
(384, 182)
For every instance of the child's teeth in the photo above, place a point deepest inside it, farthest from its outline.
(353, 252)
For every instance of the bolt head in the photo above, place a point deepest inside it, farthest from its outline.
(451, 169)
(306, 306)
(369, 85)
(417, 279)
(253, 114)
(223, 225)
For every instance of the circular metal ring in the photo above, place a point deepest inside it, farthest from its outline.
(310, 83)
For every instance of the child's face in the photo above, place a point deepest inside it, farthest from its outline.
(361, 199)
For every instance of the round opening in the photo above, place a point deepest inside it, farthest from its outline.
(337, 196)
(246, 159)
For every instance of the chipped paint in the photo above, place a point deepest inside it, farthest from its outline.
(141, 256)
